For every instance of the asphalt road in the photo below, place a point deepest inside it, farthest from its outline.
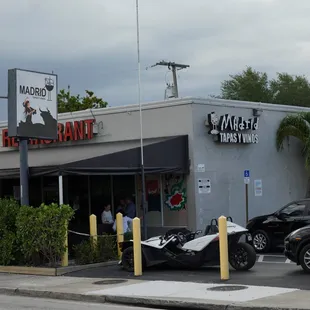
(19, 303)
(262, 274)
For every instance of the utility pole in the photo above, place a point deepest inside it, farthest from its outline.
(173, 67)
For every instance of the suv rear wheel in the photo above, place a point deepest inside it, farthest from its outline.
(261, 241)
(304, 258)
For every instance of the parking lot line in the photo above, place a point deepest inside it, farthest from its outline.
(260, 258)
(273, 259)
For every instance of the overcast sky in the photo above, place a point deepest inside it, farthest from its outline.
(91, 44)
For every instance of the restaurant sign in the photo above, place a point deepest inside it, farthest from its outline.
(233, 129)
(70, 131)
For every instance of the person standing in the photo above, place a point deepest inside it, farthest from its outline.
(130, 208)
(127, 223)
(121, 206)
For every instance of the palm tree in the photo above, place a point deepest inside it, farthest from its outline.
(298, 126)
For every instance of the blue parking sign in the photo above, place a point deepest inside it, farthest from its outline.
(246, 173)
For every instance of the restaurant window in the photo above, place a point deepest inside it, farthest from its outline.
(100, 193)
(153, 199)
(78, 200)
(123, 186)
(50, 189)
(10, 188)
(35, 191)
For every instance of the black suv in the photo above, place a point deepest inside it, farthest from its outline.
(269, 231)
(297, 247)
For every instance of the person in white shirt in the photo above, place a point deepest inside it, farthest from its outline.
(127, 223)
(106, 216)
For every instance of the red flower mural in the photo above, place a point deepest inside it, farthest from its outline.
(177, 200)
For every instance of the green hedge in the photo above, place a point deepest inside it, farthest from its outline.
(86, 253)
(32, 236)
(35, 236)
(9, 248)
(41, 231)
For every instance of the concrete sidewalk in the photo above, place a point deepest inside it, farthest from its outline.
(156, 293)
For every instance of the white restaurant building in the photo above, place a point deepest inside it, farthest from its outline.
(196, 151)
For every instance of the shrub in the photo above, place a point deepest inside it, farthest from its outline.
(86, 253)
(41, 231)
(8, 244)
(128, 236)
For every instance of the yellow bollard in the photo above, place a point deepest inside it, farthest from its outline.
(137, 259)
(93, 228)
(119, 232)
(223, 239)
(65, 256)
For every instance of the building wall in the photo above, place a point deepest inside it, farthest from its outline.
(119, 129)
(282, 173)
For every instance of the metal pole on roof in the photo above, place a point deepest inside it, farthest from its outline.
(144, 222)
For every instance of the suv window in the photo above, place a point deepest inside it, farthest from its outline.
(295, 209)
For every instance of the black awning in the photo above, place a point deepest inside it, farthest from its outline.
(170, 155)
(12, 173)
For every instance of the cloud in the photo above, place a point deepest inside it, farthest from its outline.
(92, 44)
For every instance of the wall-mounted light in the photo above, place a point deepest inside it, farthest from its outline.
(95, 129)
(257, 112)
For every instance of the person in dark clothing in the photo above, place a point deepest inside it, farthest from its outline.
(121, 206)
(130, 208)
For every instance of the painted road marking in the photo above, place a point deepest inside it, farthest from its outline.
(273, 259)
(260, 258)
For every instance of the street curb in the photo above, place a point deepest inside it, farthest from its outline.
(52, 295)
(58, 271)
(134, 301)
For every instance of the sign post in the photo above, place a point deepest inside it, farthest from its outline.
(23, 174)
(246, 176)
(32, 114)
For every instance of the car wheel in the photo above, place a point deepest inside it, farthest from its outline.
(304, 258)
(261, 241)
(128, 260)
(242, 256)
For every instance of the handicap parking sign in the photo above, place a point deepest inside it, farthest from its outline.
(246, 173)
(246, 176)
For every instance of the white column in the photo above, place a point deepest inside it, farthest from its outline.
(112, 194)
(161, 199)
(61, 192)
